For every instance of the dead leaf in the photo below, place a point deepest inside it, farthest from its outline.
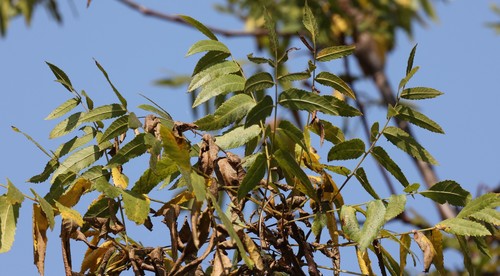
(92, 260)
(426, 246)
(151, 125)
(208, 153)
(365, 265)
(252, 250)
(40, 225)
(221, 263)
(73, 194)
(180, 127)
(229, 170)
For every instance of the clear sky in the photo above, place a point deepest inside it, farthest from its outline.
(458, 55)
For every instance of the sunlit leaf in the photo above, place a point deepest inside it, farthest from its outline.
(61, 77)
(206, 46)
(406, 143)
(70, 214)
(332, 133)
(447, 191)
(259, 81)
(178, 152)
(310, 22)
(412, 188)
(297, 99)
(427, 249)
(213, 72)
(116, 128)
(297, 76)
(395, 206)
(220, 86)
(198, 25)
(254, 175)
(408, 114)
(103, 112)
(420, 93)
(488, 215)
(463, 227)
(78, 161)
(73, 194)
(408, 77)
(350, 149)
(8, 222)
(335, 82)
(404, 249)
(67, 125)
(152, 177)
(375, 219)
(209, 59)
(133, 121)
(489, 200)
(136, 147)
(93, 258)
(237, 137)
(232, 110)
(334, 52)
(350, 225)
(363, 180)
(385, 160)
(76, 142)
(46, 208)
(40, 226)
(437, 243)
(117, 93)
(62, 109)
(342, 107)
(136, 206)
(119, 179)
(259, 60)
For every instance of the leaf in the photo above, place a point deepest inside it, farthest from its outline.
(462, 241)
(426, 246)
(310, 22)
(153, 176)
(335, 82)
(293, 170)
(237, 137)
(32, 140)
(67, 125)
(136, 206)
(93, 258)
(332, 133)
(437, 244)
(420, 93)
(76, 142)
(62, 109)
(208, 60)
(412, 188)
(341, 170)
(319, 222)
(409, 66)
(120, 180)
(363, 180)
(463, 227)
(408, 114)
(395, 206)
(350, 225)
(482, 246)
(375, 219)
(350, 149)
(133, 121)
(292, 132)
(334, 52)
(155, 110)
(253, 251)
(406, 143)
(342, 107)
(73, 194)
(488, 215)
(374, 132)
(103, 112)
(198, 186)
(69, 214)
(259, 60)
(107, 189)
(408, 77)
(115, 129)
(253, 177)
(8, 222)
(46, 208)
(231, 111)
(260, 111)
(177, 152)
(220, 86)
(40, 226)
(447, 191)
(207, 46)
(295, 76)
(14, 196)
(385, 161)
(61, 76)
(198, 25)
(404, 249)
(117, 93)
(259, 81)
(136, 147)
(271, 28)
(213, 72)
(232, 233)
(365, 265)
(297, 99)
(489, 200)
(78, 161)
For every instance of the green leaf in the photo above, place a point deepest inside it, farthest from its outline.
(385, 161)
(363, 180)
(220, 86)
(488, 215)
(133, 121)
(349, 222)
(341, 170)
(232, 233)
(198, 25)
(342, 107)
(409, 67)
(310, 22)
(375, 219)
(50, 167)
(259, 81)
(295, 76)
(136, 206)
(237, 137)
(406, 143)
(271, 28)
(335, 82)
(489, 200)
(136, 147)
(463, 227)
(207, 46)
(482, 246)
(106, 188)
(8, 223)
(374, 132)
(350, 149)
(297, 99)
(78, 161)
(208, 60)
(232, 110)
(198, 186)
(177, 152)
(254, 175)
(69, 214)
(407, 78)
(46, 208)
(157, 111)
(447, 190)
(62, 109)
(412, 188)
(153, 176)
(32, 140)
(464, 246)
(293, 170)
(260, 111)
(259, 60)
(334, 52)
(116, 128)
(408, 114)
(318, 224)
(61, 76)
(67, 125)
(395, 206)
(420, 93)
(103, 112)
(76, 142)
(117, 93)
(213, 72)
(292, 132)
(332, 133)
(14, 196)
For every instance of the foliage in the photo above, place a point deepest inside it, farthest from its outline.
(258, 204)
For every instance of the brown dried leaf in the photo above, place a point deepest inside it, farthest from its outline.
(40, 225)
(180, 127)
(221, 263)
(252, 250)
(426, 246)
(92, 260)
(208, 153)
(229, 170)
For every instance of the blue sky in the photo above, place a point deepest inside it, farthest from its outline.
(458, 55)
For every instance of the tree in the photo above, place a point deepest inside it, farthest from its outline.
(282, 169)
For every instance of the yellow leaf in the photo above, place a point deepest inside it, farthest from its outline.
(71, 197)
(254, 252)
(437, 242)
(365, 265)
(93, 259)
(70, 214)
(119, 179)
(403, 251)
(426, 246)
(40, 225)
(181, 198)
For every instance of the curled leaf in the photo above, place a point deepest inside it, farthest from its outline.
(426, 246)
